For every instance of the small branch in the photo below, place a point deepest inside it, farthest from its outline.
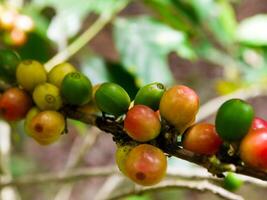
(181, 184)
(59, 176)
(84, 38)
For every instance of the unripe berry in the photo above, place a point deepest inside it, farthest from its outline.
(202, 139)
(150, 95)
(179, 106)
(146, 165)
(47, 97)
(142, 123)
(234, 119)
(14, 104)
(76, 89)
(57, 74)
(232, 182)
(30, 115)
(121, 156)
(30, 73)
(112, 99)
(46, 127)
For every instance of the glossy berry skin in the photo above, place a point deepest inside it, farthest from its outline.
(30, 115)
(253, 149)
(14, 104)
(202, 139)
(57, 74)
(112, 99)
(146, 165)
(234, 119)
(47, 97)
(142, 123)
(76, 89)
(30, 73)
(46, 127)
(232, 182)
(150, 95)
(121, 156)
(9, 61)
(258, 123)
(179, 106)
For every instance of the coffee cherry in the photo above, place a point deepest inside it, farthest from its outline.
(32, 113)
(46, 127)
(253, 148)
(178, 106)
(14, 104)
(121, 156)
(47, 97)
(112, 99)
(202, 139)
(76, 89)
(9, 61)
(30, 73)
(142, 123)
(258, 123)
(150, 95)
(232, 182)
(233, 119)
(146, 165)
(57, 74)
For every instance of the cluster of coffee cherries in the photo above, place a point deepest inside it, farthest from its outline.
(39, 96)
(14, 26)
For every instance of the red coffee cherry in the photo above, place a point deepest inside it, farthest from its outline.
(253, 148)
(258, 123)
(179, 106)
(202, 138)
(14, 104)
(142, 123)
(146, 165)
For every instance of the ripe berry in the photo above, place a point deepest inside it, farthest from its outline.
(253, 148)
(57, 74)
(47, 97)
(146, 165)
(142, 123)
(258, 123)
(9, 61)
(234, 119)
(14, 104)
(232, 182)
(202, 138)
(30, 73)
(46, 127)
(76, 89)
(150, 95)
(121, 156)
(112, 99)
(178, 106)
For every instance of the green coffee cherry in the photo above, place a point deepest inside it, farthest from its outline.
(47, 97)
(233, 119)
(121, 156)
(30, 115)
(232, 182)
(112, 99)
(150, 95)
(57, 74)
(76, 89)
(9, 61)
(30, 73)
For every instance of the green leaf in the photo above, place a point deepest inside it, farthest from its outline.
(144, 44)
(253, 31)
(219, 16)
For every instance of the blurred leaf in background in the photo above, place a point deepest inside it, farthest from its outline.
(144, 43)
